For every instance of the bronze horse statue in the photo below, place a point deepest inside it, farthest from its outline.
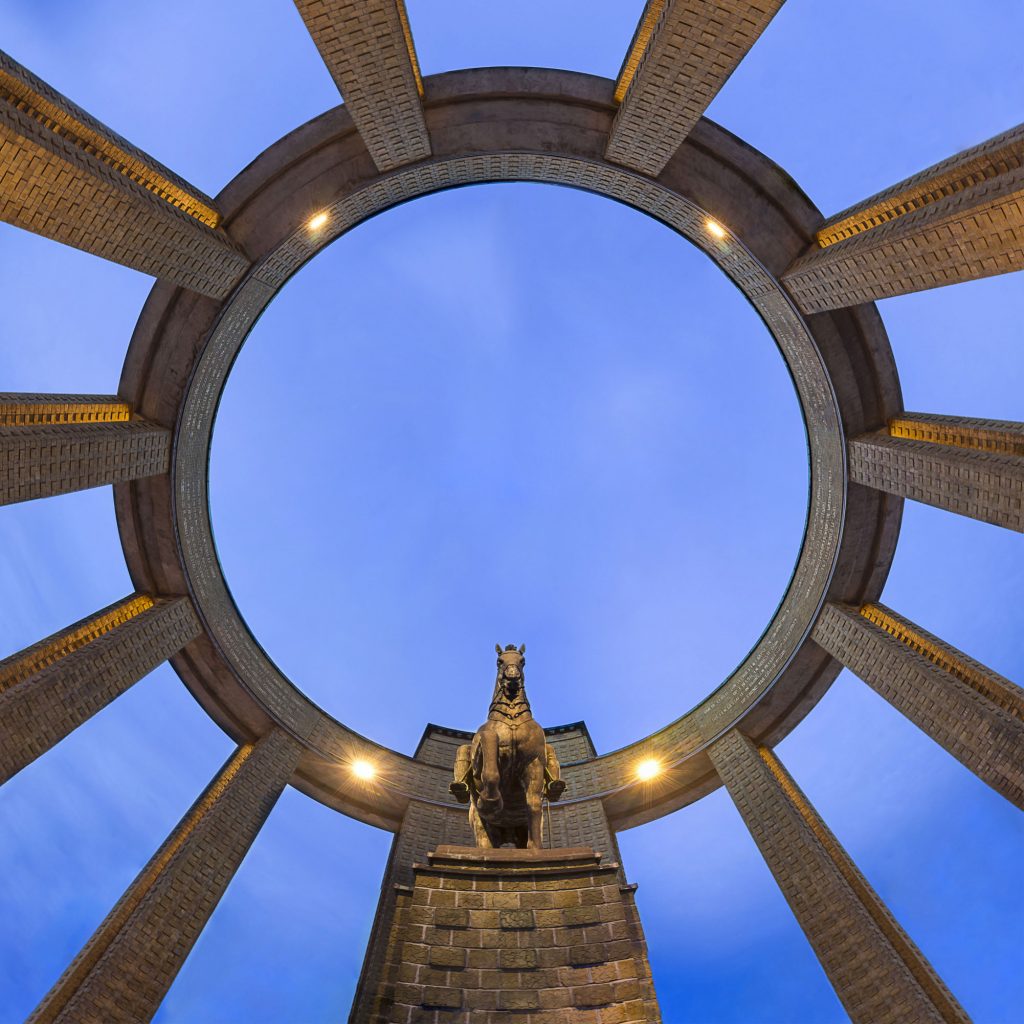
(508, 769)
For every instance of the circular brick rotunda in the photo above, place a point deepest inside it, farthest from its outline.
(642, 141)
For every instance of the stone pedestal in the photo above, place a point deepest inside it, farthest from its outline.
(538, 936)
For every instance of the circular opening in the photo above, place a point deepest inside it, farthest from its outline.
(513, 413)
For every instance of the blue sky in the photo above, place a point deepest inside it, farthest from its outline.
(520, 449)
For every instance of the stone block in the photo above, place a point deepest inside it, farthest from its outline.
(442, 998)
(517, 919)
(451, 917)
(517, 959)
(450, 957)
(518, 999)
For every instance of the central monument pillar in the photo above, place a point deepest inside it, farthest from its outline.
(435, 872)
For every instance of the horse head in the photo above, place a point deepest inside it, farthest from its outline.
(510, 684)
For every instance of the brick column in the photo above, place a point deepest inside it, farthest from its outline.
(368, 49)
(54, 686)
(879, 975)
(971, 711)
(124, 971)
(70, 178)
(969, 466)
(958, 220)
(681, 55)
(53, 444)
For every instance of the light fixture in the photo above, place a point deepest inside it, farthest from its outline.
(363, 770)
(647, 769)
(318, 221)
(714, 228)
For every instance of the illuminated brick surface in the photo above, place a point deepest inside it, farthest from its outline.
(69, 177)
(958, 220)
(123, 972)
(367, 47)
(973, 712)
(971, 481)
(878, 973)
(552, 934)
(54, 686)
(665, 86)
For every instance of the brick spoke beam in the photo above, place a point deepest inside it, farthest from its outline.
(880, 976)
(124, 971)
(51, 688)
(971, 711)
(959, 220)
(969, 466)
(65, 175)
(368, 49)
(53, 444)
(681, 55)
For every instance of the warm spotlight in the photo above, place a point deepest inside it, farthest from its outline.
(363, 770)
(646, 770)
(714, 228)
(317, 222)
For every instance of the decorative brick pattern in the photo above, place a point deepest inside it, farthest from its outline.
(958, 220)
(1001, 436)
(21, 410)
(692, 48)
(552, 934)
(424, 827)
(971, 481)
(45, 455)
(367, 47)
(824, 530)
(971, 711)
(878, 973)
(125, 969)
(54, 686)
(70, 178)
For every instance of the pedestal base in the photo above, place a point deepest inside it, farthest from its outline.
(496, 936)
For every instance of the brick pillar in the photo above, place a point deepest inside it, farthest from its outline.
(54, 686)
(53, 444)
(368, 49)
(70, 178)
(124, 971)
(879, 975)
(681, 55)
(958, 220)
(972, 467)
(481, 934)
(971, 711)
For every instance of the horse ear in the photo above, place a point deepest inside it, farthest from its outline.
(522, 648)
(497, 647)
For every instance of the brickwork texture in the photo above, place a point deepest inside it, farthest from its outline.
(961, 219)
(45, 453)
(689, 49)
(492, 936)
(971, 711)
(70, 178)
(367, 47)
(971, 480)
(878, 973)
(126, 968)
(53, 687)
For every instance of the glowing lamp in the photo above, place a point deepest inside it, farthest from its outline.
(646, 770)
(317, 222)
(363, 770)
(714, 228)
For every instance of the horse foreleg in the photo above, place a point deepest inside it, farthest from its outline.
(480, 833)
(533, 784)
(490, 775)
